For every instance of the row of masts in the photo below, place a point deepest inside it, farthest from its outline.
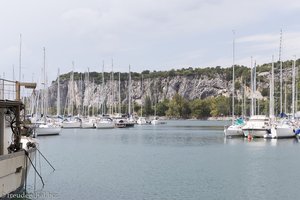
(114, 106)
(272, 87)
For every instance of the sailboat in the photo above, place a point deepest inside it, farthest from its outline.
(257, 125)
(47, 127)
(70, 121)
(285, 127)
(128, 120)
(156, 120)
(105, 122)
(235, 129)
(87, 121)
(142, 120)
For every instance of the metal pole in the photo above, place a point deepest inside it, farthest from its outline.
(129, 92)
(280, 47)
(233, 80)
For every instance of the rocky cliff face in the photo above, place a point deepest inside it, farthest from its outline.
(90, 94)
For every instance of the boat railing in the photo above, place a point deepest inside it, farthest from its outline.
(11, 90)
(7, 89)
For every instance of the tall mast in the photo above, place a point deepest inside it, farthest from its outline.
(293, 87)
(103, 106)
(155, 97)
(296, 88)
(88, 93)
(93, 107)
(20, 58)
(112, 88)
(72, 89)
(242, 92)
(244, 101)
(285, 97)
(120, 92)
(129, 92)
(233, 80)
(271, 109)
(252, 88)
(58, 94)
(14, 73)
(280, 48)
(142, 97)
(44, 98)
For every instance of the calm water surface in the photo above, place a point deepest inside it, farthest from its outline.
(178, 160)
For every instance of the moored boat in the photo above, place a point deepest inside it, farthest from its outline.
(257, 126)
(16, 152)
(105, 123)
(235, 129)
(47, 129)
(72, 123)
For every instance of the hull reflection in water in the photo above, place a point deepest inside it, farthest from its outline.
(260, 141)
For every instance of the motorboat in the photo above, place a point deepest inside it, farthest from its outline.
(257, 126)
(123, 123)
(235, 129)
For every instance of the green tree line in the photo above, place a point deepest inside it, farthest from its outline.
(179, 107)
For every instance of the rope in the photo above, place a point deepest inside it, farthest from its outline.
(35, 173)
(45, 159)
(27, 154)
(26, 165)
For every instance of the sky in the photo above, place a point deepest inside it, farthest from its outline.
(146, 34)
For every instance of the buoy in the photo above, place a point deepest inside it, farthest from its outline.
(249, 137)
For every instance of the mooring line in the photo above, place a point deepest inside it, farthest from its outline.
(45, 159)
(27, 154)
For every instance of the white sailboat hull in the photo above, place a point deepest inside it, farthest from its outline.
(40, 131)
(141, 121)
(284, 132)
(105, 125)
(71, 124)
(87, 125)
(233, 130)
(157, 122)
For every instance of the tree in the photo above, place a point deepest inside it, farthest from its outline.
(162, 107)
(200, 108)
(220, 106)
(178, 107)
(148, 106)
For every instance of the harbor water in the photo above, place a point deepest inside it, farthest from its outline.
(183, 159)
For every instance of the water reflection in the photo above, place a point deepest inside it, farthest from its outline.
(260, 141)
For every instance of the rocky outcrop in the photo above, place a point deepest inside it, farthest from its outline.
(92, 94)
